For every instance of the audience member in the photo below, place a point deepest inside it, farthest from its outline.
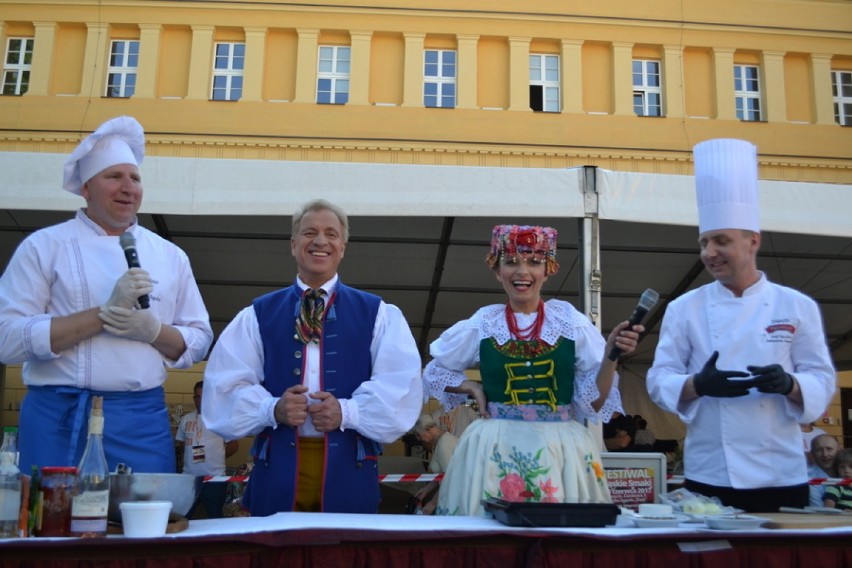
(644, 437)
(840, 496)
(204, 453)
(441, 444)
(809, 432)
(824, 449)
(619, 433)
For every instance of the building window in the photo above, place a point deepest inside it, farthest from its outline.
(544, 83)
(228, 71)
(121, 75)
(333, 75)
(841, 89)
(747, 92)
(16, 66)
(439, 78)
(647, 93)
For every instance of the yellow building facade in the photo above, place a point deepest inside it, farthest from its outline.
(622, 86)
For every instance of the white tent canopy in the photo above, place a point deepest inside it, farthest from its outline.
(420, 233)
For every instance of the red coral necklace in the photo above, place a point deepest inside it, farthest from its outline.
(530, 333)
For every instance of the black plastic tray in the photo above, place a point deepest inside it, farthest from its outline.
(551, 514)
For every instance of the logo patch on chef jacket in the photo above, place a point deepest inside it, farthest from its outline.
(780, 331)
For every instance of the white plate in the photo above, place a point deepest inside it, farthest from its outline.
(738, 522)
(657, 521)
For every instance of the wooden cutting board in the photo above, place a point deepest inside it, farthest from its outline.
(804, 520)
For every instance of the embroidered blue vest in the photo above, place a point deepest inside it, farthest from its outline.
(350, 476)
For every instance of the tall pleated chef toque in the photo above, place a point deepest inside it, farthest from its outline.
(726, 185)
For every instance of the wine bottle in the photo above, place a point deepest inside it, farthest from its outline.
(90, 504)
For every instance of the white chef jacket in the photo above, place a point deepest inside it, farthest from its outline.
(73, 266)
(752, 441)
(236, 404)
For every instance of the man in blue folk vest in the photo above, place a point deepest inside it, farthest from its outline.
(321, 374)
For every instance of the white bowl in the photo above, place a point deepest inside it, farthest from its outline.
(738, 522)
(655, 510)
(145, 519)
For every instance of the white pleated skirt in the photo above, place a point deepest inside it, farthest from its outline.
(521, 461)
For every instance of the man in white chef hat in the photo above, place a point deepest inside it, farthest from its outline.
(743, 442)
(70, 312)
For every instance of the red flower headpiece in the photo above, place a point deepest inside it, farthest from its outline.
(512, 240)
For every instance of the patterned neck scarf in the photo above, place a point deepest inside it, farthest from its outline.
(309, 322)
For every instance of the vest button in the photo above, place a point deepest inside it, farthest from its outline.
(292, 444)
(532, 389)
(297, 354)
(359, 465)
(296, 336)
(297, 372)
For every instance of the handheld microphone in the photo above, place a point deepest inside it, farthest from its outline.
(128, 245)
(646, 302)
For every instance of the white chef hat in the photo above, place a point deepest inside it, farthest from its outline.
(119, 140)
(726, 185)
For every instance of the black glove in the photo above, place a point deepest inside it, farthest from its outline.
(772, 379)
(710, 381)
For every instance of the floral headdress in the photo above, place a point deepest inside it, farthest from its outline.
(513, 240)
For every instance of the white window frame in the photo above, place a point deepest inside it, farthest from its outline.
(747, 92)
(545, 82)
(442, 78)
(333, 68)
(121, 73)
(20, 69)
(842, 81)
(648, 97)
(228, 71)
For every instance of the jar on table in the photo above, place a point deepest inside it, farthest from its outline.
(57, 489)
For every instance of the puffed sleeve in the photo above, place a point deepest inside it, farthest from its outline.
(386, 406)
(235, 402)
(589, 354)
(456, 350)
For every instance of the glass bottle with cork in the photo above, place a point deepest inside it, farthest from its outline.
(90, 504)
(10, 485)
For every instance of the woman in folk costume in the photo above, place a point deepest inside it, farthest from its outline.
(544, 370)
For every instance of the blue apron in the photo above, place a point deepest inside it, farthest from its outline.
(137, 432)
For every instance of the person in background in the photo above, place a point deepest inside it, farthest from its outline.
(544, 370)
(442, 444)
(321, 373)
(824, 450)
(809, 432)
(618, 433)
(644, 437)
(840, 496)
(742, 361)
(70, 311)
(203, 454)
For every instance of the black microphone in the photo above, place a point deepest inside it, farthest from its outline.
(646, 302)
(128, 245)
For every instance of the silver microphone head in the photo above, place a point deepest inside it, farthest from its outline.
(127, 240)
(648, 299)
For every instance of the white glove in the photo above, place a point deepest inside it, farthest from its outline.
(132, 284)
(139, 325)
